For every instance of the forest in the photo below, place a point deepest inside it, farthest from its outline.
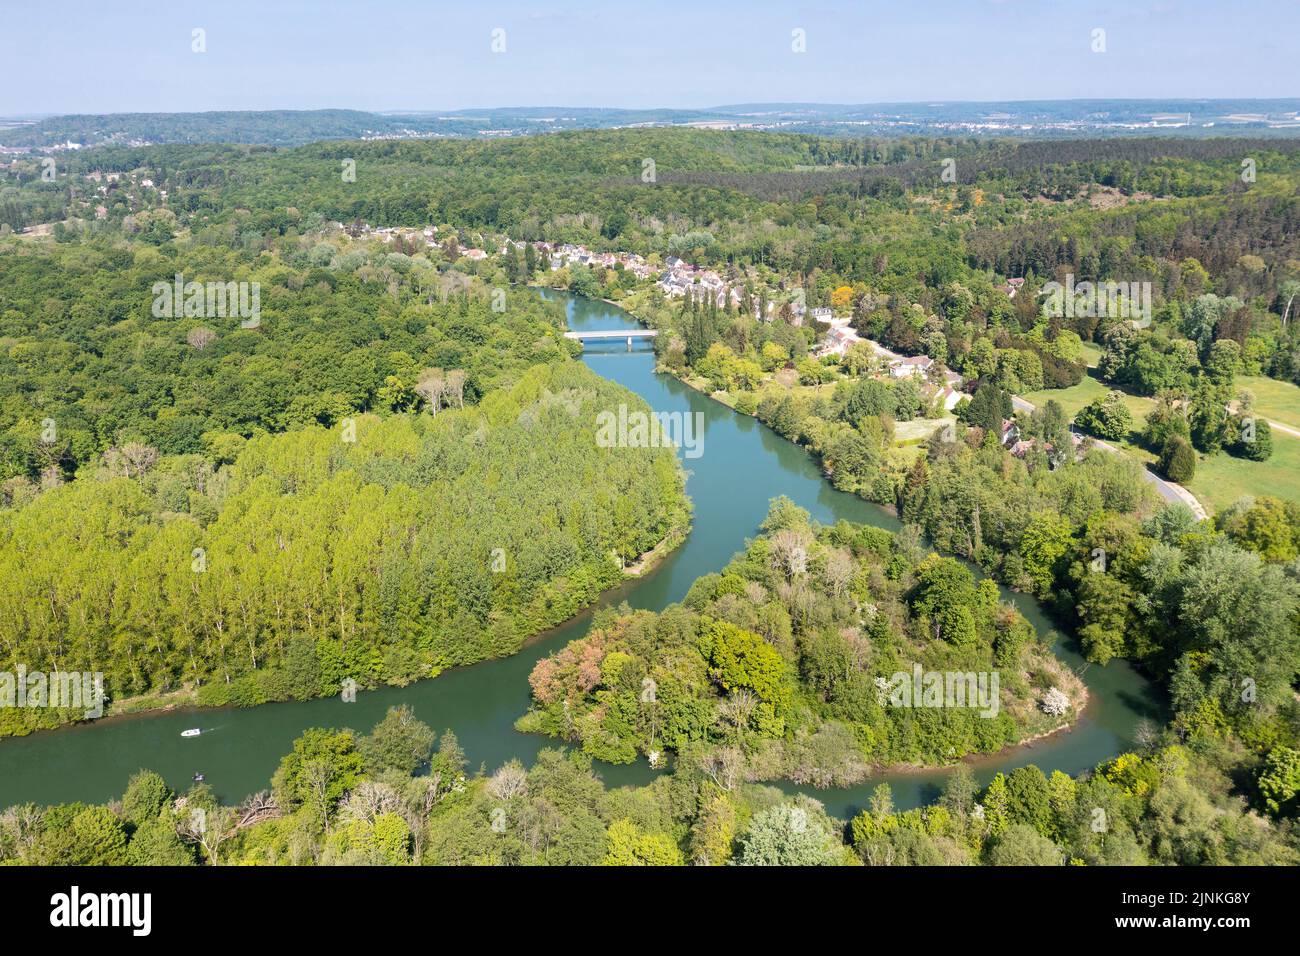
(780, 664)
(238, 515)
(244, 513)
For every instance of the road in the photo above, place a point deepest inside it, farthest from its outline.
(1169, 490)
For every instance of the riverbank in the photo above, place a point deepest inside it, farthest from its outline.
(730, 489)
(567, 598)
(1077, 691)
(650, 559)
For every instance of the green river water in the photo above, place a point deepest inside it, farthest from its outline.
(743, 466)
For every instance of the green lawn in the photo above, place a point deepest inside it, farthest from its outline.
(1222, 480)
(919, 430)
(1076, 396)
(1091, 354)
(1277, 401)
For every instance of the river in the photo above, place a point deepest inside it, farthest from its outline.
(743, 466)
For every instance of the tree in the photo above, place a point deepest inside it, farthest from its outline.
(853, 459)
(787, 835)
(1045, 542)
(742, 660)
(1287, 293)
(1055, 703)
(1223, 361)
(1279, 781)
(1269, 527)
(1208, 418)
(945, 592)
(1254, 438)
(323, 766)
(384, 841)
(987, 410)
(1055, 431)
(1106, 417)
(156, 843)
(1178, 460)
(628, 846)
(98, 838)
(960, 791)
(713, 832)
(869, 398)
(997, 806)
(1164, 421)
(1022, 845)
(399, 742)
(1029, 799)
(200, 338)
(146, 795)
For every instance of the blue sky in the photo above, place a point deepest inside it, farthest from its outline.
(102, 56)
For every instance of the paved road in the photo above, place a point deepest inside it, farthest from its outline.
(1169, 490)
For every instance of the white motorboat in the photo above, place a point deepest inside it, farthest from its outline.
(192, 732)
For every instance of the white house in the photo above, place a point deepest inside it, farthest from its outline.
(911, 366)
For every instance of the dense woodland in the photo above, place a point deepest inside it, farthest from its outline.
(178, 441)
(254, 514)
(780, 664)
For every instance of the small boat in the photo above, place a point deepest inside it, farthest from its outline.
(198, 778)
(192, 732)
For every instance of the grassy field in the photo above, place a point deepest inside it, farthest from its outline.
(1276, 401)
(919, 430)
(1222, 480)
(1091, 354)
(1076, 396)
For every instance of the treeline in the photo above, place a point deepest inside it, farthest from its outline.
(381, 549)
(1210, 610)
(786, 663)
(269, 127)
(1158, 243)
(784, 210)
(86, 363)
(403, 795)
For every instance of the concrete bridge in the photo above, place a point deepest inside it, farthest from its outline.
(609, 335)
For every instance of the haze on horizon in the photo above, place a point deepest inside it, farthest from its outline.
(406, 55)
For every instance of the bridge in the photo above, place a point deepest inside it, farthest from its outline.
(609, 335)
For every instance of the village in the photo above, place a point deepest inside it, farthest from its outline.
(679, 279)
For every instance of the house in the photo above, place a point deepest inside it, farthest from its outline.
(822, 314)
(950, 397)
(913, 365)
(1012, 287)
